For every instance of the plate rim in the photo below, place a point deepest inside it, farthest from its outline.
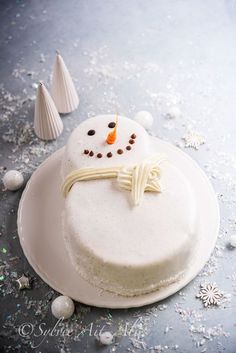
(141, 300)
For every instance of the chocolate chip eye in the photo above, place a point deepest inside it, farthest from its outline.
(91, 132)
(111, 125)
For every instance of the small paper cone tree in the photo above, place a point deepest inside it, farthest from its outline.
(47, 122)
(63, 89)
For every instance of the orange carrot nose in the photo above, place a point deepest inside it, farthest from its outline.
(111, 137)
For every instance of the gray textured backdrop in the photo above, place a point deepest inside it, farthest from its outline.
(134, 55)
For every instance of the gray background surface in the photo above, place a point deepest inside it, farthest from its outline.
(131, 55)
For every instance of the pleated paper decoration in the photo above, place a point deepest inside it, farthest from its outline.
(47, 122)
(63, 89)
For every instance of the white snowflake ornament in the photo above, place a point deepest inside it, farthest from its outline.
(209, 294)
(193, 140)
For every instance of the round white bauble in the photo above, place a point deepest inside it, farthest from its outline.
(144, 118)
(13, 180)
(63, 307)
(106, 338)
(232, 241)
(174, 112)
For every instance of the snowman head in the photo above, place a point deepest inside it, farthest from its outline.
(88, 144)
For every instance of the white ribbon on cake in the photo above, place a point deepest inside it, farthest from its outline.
(137, 179)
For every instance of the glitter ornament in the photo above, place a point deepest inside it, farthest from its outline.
(63, 90)
(13, 180)
(63, 307)
(145, 119)
(232, 241)
(106, 338)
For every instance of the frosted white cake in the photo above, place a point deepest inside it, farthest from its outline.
(115, 245)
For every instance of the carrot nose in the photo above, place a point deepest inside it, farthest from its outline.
(111, 137)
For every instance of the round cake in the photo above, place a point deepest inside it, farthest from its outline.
(129, 219)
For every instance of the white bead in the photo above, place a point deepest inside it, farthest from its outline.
(144, 118)
(232, 241)
(62, 307)
(13, 180)
(106, 338)
(174, 112)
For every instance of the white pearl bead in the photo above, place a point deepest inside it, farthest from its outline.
(63, 307)
(232, 241)
(106, 338)
(13, 180)
(174, 113)
(144, 118)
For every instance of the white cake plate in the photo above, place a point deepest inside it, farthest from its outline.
(39, 228)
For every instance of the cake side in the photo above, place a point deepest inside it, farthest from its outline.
(131, 251)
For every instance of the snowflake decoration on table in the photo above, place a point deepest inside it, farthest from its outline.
(193, 139)
(209, 294)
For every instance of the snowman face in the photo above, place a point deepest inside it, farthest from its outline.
(88, 147)
(118, 149)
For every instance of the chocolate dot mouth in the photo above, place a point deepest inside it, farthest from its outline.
(119, 151)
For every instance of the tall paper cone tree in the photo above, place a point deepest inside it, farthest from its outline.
(47, 122)
(63, 89)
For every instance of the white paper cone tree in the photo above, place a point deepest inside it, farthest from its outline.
(47, 122)
(63, 89)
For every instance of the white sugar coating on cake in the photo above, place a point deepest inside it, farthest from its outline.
(115, 246)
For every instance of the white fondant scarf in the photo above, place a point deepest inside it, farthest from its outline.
(137, 179)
